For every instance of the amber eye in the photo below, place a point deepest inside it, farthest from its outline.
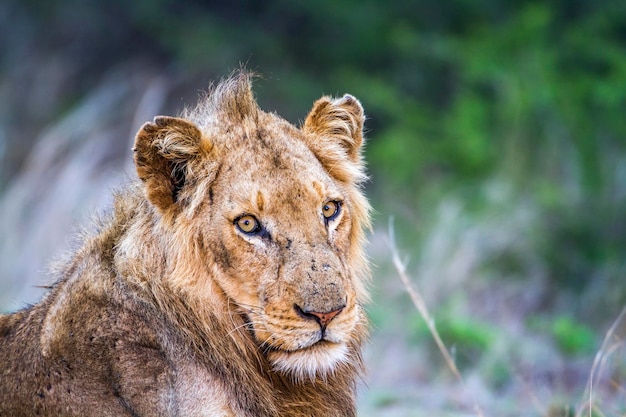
(331, 209)
(248, 224)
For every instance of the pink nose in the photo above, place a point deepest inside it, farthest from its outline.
(322, 318)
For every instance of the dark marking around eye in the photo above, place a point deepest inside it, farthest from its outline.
(331, 210)
(251, 226)
(265, 234)
(248, 224)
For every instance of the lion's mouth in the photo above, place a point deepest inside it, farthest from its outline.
(304, 355)
(322, 337)
(311, 346)
(317, 360)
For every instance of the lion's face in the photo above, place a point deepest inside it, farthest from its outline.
(281, 233)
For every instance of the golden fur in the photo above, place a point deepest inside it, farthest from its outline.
(229, 281)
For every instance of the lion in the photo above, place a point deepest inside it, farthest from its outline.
(228, 280)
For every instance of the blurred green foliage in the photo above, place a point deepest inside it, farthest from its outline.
(469, 339)
(571, 338)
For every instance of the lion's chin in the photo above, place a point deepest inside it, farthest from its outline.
(317, 361)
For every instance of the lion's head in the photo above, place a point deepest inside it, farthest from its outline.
(269, 218)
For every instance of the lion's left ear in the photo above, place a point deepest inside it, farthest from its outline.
(334, 131)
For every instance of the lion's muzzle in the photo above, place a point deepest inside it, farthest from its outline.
(321, 295)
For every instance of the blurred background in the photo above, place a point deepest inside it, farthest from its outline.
(497, 153)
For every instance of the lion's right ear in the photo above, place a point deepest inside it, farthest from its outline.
(163, 152)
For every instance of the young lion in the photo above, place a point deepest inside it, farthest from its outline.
(229, 281)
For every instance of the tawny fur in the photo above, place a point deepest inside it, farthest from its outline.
(171, 310)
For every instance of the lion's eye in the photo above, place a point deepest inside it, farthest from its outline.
(331, 210)
(248, 224)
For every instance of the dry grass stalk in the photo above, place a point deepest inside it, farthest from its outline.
(420, 304)
(609, 346)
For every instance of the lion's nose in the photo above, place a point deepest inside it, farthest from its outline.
(322, 318)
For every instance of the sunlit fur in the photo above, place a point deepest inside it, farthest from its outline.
(171, 309)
